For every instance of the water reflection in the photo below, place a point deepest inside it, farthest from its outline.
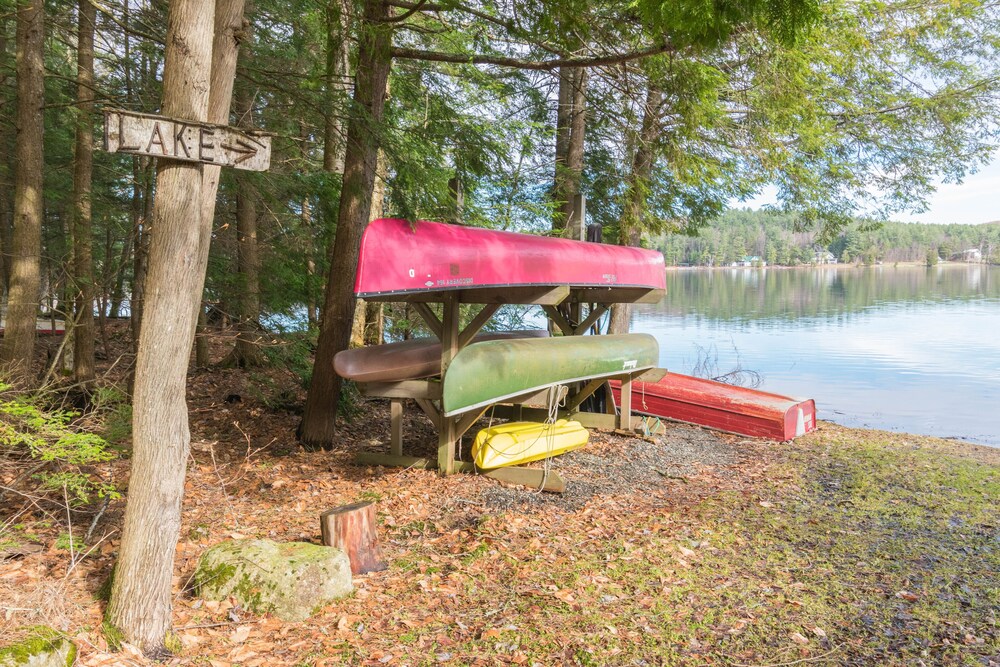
(776, 294)
(905, 348)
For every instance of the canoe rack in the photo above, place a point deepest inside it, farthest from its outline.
(533, 275)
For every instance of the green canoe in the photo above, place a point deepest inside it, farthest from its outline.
(496, 370)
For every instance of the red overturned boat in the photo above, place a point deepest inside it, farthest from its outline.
(404, 261)
(722, 406)
(42, 327)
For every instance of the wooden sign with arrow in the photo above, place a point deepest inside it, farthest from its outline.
(156, 136)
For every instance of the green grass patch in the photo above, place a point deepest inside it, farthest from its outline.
(856, 552)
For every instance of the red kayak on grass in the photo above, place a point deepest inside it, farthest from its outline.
(722, 406)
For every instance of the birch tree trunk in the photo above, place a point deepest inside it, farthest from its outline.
(18, 346)
(140, 605)
(83, 162)
(374, 60)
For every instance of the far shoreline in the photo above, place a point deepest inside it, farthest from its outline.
(838, 266)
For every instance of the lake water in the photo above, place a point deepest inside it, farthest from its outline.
(912, 349)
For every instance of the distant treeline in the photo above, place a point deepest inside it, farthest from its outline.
(745, 235)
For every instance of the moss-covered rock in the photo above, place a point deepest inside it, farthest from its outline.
(43, 647)
(290, 580)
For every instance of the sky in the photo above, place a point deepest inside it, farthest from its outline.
(976, 200)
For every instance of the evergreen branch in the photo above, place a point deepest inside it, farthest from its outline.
(111, 16)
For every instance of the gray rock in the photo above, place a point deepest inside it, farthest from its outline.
(292, 580)
(44, 647)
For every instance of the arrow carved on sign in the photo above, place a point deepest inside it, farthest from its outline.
(189, 141)
(243, 149)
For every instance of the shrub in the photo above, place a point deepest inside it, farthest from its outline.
(47, 437)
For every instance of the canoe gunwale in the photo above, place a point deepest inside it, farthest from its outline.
(511, 398)
(547, 294)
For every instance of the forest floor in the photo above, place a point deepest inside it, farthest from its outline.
(846, 546)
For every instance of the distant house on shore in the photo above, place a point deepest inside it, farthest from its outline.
(824, 257)
(750, 260)
(970, 255)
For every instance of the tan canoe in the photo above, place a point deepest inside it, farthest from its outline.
(407, 360)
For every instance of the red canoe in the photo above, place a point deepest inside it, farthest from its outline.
(722, 406)
(400, 258)
(42, 328)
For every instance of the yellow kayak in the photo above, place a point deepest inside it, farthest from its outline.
(522, 442)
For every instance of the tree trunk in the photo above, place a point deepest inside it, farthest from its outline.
(17, 350)
(353, 529)
(637, 193)
(374, 60)
(312, 310)
(358, 324)
(367, 314)
(570, 130)
(338, 85)
(141, 234)
(247, 351)
(83, 162)
(118, 291)
(574, 155)
(374, 333)
(306, 219)
(201, 357)
(5, 181)
(140, 605)
(229, 32)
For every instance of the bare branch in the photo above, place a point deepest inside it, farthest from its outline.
(407, 14)
(520, 63)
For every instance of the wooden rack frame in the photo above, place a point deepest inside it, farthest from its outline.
(427, 393)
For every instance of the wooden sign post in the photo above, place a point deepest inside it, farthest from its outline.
(156, 136)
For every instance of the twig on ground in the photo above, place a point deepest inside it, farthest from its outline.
(794, 662)
(213, 625)
(87, 553)
(32, 499)
(222, 483)
(97, 517)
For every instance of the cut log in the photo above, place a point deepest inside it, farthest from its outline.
(353, 529)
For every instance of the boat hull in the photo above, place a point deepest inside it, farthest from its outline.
(407, 360)
(722, 406)
(42, 328)
(515, 443)
(400, 258)
(493, 371)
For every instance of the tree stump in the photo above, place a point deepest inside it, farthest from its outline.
(353, 529)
